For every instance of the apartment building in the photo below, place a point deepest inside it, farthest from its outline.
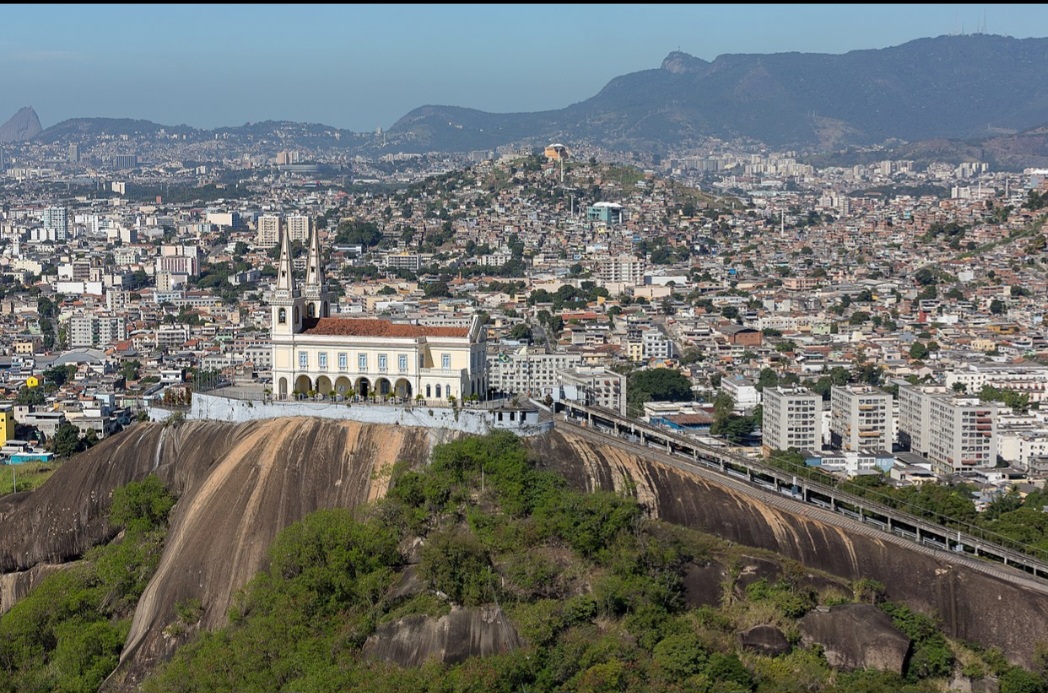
(792, 419)
(962, 433)
(1029, 379)
(95, 331)
(299, 226)
(267, 231)
(626, 269)
(860, 418)
(915, 415)
(527, 372)
(743, 392)
(593, 385)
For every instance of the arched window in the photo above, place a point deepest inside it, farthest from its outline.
(295, 314)
(438, 391)
(428, 392)
(282, 316)
(311, 310)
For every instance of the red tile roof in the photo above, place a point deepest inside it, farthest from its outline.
(361, 327)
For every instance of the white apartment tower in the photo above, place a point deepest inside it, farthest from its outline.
(268, 233)
(625, 268)
(299, 226)
(792, 419)
(56, 219)
(962, 434)
(955, 432)
(915, 415)
(860, 418)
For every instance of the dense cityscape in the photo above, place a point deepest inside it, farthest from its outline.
(836, 312)
(524, 349)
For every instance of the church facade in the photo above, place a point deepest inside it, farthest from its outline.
(314, 352)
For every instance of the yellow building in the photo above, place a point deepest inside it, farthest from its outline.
(7, 424)
(314, 352)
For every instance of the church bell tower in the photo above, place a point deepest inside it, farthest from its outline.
(317, 296)
(287, 305)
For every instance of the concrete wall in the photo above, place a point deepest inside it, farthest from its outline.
(475, 421)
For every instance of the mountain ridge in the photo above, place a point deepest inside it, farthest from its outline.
(948, 86)
(973, 95)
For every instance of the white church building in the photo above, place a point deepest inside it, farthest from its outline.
(314, 352)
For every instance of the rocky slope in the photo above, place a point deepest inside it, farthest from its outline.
(974, 606)
(238, 485)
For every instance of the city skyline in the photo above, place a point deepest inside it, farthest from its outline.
(363, 67)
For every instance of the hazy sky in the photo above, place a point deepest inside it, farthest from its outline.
(364, 66)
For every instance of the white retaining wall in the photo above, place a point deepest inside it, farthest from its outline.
(475, 421)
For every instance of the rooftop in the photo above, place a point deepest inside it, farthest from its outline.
(361, 327)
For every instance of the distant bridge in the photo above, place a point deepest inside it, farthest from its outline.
(979, 549)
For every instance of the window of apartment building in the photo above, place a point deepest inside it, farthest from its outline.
(362, 362)
(445, 361)
(303, 359)
(402, 362)
(382, 362)
(322, 360)
(343, 362)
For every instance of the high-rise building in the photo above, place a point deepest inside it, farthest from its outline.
(56, 219)
(299, 227)
(860, 418)
(792, 419)
(74, 153)
(123, 162)
(625, 268)
(95, 331)
(268, 233)
(915, 415)
(954, 431)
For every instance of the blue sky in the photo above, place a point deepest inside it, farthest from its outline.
(364, 66)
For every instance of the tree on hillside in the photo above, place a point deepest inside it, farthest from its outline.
(66, 442)
(918, 351)
(657, 385)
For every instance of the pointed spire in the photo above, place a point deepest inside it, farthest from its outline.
(314, 263)
(285, 276)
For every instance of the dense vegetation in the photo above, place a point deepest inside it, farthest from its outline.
(594, 587)
(68, 633)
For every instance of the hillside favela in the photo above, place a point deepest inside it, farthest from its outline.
(727, 378)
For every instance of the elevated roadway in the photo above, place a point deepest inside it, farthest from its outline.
(975, 548)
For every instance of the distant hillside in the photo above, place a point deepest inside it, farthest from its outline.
(945, 87)
(23, 125)
(84, 127)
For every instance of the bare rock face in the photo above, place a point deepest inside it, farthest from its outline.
(856, 636)
(450, 639)
(765, 640)
(755, 569)
(23, 125)
(15, 586)
(703, 584)
(238, 485)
